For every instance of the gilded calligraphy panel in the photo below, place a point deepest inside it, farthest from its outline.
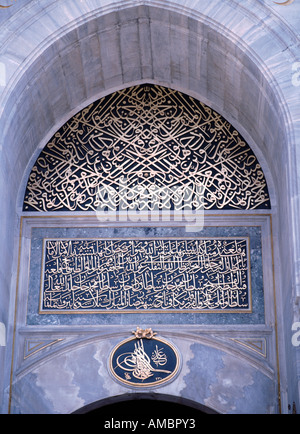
(148, 275)
(146, 148)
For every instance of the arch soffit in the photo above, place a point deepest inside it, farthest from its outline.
(27, 80)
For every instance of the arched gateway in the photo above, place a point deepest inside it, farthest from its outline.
(153, 212)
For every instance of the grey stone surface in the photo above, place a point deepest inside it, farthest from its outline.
(230, 383)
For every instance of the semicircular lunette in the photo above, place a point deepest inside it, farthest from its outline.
(146, 147)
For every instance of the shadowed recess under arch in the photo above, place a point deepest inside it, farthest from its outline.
(145, 407)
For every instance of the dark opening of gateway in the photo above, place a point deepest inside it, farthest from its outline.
(148, 411)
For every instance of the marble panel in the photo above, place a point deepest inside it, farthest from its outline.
(257, 293)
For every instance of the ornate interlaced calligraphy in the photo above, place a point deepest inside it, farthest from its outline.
(111, 275)
(146, 148)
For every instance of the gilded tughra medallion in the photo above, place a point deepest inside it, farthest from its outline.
(144, 360)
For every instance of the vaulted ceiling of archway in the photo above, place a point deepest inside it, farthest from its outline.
(146, 147)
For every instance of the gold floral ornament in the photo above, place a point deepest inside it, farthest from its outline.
(144, 334)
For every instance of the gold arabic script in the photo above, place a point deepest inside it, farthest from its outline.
(146, 148)
(139, 363)
(112, 275)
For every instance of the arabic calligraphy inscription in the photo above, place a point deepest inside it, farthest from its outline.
(146, 148)
(133, 275)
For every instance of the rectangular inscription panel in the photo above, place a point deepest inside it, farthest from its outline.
(149, 275)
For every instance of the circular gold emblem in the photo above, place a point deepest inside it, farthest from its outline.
(144, 362)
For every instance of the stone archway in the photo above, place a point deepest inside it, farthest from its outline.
(218, 63)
